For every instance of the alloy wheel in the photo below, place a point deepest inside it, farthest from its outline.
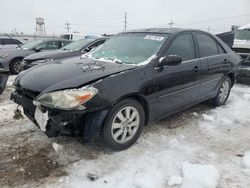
(17, 66)
(224, 91)
(125, 124)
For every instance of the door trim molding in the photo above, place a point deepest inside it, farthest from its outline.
(191, 87)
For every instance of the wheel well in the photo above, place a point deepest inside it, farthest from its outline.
(231, 76)
(142, 101)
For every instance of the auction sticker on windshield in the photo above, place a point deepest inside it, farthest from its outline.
(153, 37)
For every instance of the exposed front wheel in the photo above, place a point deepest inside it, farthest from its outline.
(223, 94)
(123, 125)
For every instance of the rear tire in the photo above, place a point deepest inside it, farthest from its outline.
(223, 93)
(123, 125)
(15, 66)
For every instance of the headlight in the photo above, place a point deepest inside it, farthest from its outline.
(67, 99)
(23, 63)
(4, 55)
(43, 60)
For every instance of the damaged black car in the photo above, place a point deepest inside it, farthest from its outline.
(132, 80)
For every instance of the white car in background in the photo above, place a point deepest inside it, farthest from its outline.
(6, 42)
(242, 47)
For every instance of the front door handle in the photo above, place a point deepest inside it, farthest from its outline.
(226, 61)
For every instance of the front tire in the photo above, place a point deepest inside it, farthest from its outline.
(223, 93)
(15, 66)
(123, 125)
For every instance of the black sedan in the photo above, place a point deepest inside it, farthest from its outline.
(134, 79)
(76, 48)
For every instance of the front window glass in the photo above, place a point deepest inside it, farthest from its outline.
(51, 45)
(78, 45)
(130, 48)
(31, 45)
(183, 46)
(243, 34)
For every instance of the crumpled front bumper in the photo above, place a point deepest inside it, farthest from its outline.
(60, 122)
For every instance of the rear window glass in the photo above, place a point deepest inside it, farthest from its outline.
(207, 45)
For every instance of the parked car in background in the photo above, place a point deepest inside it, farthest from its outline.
(10, 59)
(6, 42)
(73, 49)
(133, 79)
(242, 47)
(73, 36)
(4, 75)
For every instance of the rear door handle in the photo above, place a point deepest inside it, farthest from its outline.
(196, 68)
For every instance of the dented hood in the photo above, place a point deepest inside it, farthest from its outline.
(70, 73)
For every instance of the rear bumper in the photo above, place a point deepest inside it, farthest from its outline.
(244, 80)
(244, 75)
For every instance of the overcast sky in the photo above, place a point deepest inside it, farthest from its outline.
(107, 16)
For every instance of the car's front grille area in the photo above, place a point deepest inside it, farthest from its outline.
(27, 93)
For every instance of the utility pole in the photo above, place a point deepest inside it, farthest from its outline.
(171, 24)
(67, 26)
(125, 21)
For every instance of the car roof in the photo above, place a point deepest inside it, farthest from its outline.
(161, 30)
(96, 38)
(53, 39)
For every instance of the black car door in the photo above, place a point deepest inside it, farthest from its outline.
(214, 63)
(177, 86)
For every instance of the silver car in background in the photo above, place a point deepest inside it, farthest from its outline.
(11, 58)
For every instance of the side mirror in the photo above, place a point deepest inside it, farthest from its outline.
(86, 50)
(171, 60)
(38, 49)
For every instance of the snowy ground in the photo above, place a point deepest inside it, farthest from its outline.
(201, 147)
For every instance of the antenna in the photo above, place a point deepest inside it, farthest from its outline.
(125, 21)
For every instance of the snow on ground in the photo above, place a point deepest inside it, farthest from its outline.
(246, 160)
(199, 176)
(211, 141)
